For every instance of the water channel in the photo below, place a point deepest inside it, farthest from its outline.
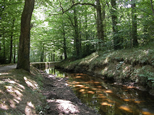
(106, 97)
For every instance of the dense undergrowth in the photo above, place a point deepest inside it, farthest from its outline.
(135, 66)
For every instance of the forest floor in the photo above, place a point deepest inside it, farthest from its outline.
(37, 93)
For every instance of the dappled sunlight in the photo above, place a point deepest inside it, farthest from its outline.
(4, 74)
(64, 106)
(12, 104)
(125, 69)
(31, 83)
(30, 109)
(104, 70)
(106, 60)
(14, 93)
(92, 58)
(4, 106)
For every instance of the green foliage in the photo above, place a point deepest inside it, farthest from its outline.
(51, 24)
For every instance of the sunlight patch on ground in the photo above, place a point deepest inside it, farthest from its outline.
(15, 93)
(4, 73)
(29, 109)
(88, 61)
(4, 106)
(31, 83)
(65, 106)
(104, 70)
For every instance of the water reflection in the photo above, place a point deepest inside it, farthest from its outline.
(54, 72)
(108, 98)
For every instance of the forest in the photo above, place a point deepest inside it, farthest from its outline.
(104, 47)
(72, 28)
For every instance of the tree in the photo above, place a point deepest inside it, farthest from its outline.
(116, 39)
(24, 41)
(100, 30)
(134, 24)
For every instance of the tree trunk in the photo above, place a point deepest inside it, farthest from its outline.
(86, 28)
(24, 41)
(64, 42)
(14, 57)
(42, 53)
(100, 31)
(116, 39)
(4, 48)
(11, 42)
(134, 25)
(76, 35)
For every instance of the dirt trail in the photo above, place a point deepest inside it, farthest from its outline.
(61, 99)
(7, 68)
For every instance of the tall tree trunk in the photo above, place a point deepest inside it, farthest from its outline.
(24, 41)
(100, 31)
(116, 39)
(76, 35)
(42, 53)
(11, 42)
(134, 24)
(64, 42)
(14, 56)
(86, 28)
(4, 48)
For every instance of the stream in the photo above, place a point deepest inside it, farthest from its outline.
(106, 97)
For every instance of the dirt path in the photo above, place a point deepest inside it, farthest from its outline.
(61, 99)
(7, 68)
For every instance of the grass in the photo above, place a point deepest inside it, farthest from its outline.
(135, 64)
(20, 92)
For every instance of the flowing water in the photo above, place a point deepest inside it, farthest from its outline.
(107, 98)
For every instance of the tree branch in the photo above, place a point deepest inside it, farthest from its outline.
(152, 7)
(80, 4)
(64, 11)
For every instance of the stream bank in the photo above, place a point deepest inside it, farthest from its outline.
(130, 67)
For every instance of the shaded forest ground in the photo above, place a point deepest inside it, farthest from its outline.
(131, 67)
(37, 93)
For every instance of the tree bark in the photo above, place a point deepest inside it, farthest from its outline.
(24, 41)
(64, 42)
(134, 25)
(11, 42)
(100, 31)
(116, 39)
(14, 56)
(76, 33)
